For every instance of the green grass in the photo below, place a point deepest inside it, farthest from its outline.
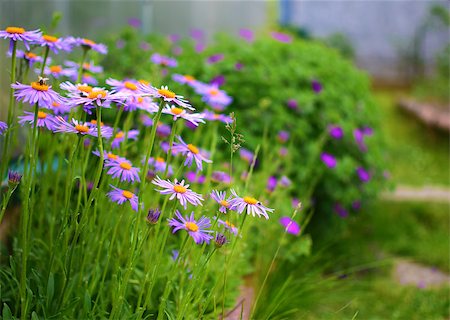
(416, 155)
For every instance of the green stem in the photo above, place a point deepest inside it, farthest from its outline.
(45, 60)
(5, 158)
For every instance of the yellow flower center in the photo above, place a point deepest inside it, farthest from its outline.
(192, 148)
(167, 93)
(112, 156)
(88, 42)
(86, 89)
(48, 38)
(160, 160)
(125, 165)
(55, 69)
(189, 78)
(191, 226)
(39, 87)
(214, 92)
(94, 94)
(140, 99)
(30, 55)
(119, 135)
(55, 104)
(127, 194)
(224, 203)
(250, 200)
(179, 189)
(176, 110)
(81, 128)
(144, 82)
(86, 65)
(130, 85)
(15, 30)
(41, 115)
(228, 223)
(94, 122)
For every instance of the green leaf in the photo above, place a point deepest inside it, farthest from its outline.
(6, 314)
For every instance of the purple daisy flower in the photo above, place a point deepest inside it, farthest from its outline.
(359, 135)
(193, 118)
(215, 58)
(38, 92)
(239, 66)
(335, 132)
(87, 66)
(247, 34)
(212, 95)
(185, 79)
(164, 61)
(191, 152)
(61, 107)
(197, 34)
(109, 156)
(220, 240)
(221, 177)
(292, 103)
(134, 22)
(281, 37)
(328, 159)
(196, 229)
(290, 225)
(43, 119)
(220, 198)
(295, 203)
(57, 71)
(20, 34)
(124, 170)
(179, 191)
(283, 152)
(3, 127)
(165, 94)
(159, 164)
(55, 44)
(120, 196)
(246, 155)
(97, 97)
(283, 136)
(126, 86)
(340, 210)
(249, 204)
(285, 182)
(85, 128)
(228, 226)
(120, 136)
(363, 174)
(193, 177)
(87, 44)
(211, 116)
(316, 86)
(271, 184)
(29, 57)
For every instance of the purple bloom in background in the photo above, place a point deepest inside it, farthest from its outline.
(165, 61)
(55, 44)
(211, 116)
(3, 127)
(88, 44)
(238, 66)
(215, 58)
(153, 216)
(359, 134)
(220, 198)
(335, 132)
(295, 203)
(220, 240)
(220, 176)
(328, 159)
(356, 205)
(145, 46)
(292, 103)
(199, 47)
(283, 152)
(340, 210)
(281, 37)
(120, 44)
(283, 136)
(285, 181)
(363, 175)
(120, 196)
(197, 230)
(174, 37)
(271, 184)
(30, 57)
(218, 80)
(192, 177)
(134, 22)
(177, 51)
(228, 226)
(246, 155)
(197, 34)
(247, 34)
(191, 152)
(290, 226)
(120, 137)
(316, 86)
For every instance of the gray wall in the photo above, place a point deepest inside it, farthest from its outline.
(377, 28)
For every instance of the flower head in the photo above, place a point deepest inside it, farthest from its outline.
(340, 210)
(198, 230)
(38, 92)
(246, 155)
(81, 128)
(211, 116)
(120, 196)
(87, 44)
(3, 127)
(14, 178)
(164, 61)
(165, 94)
(363, 174)
(159, 164)
(247, 34)
(191, 152)
(55, 44)
(194, 118)
(335, 132)
(283, 136)
(250, 204)
(290, 225)
(316, 86)
(271, 183)
(228, 226)
(179, 191)
(123, 169)
(20, 34)
(29, 57)
(153, 216)
(220, 176)
(328, 159)
(220, 198)
(44, 119)
(120, 137)
(220, 240)
(213, 95)
(281, 37)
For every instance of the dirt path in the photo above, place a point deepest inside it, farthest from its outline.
(425, 193)
(412, 273)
